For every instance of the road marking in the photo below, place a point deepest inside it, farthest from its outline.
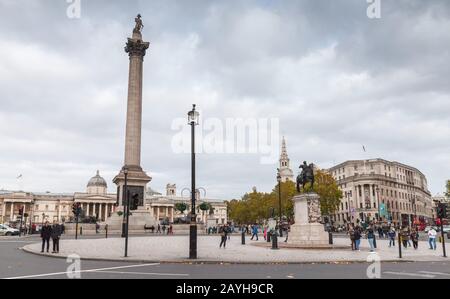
(435, 273)
(142, 273)
(82, 271)
(410, 274)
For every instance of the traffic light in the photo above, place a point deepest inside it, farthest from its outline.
(21, 211)
(442, 211)
(76, 209)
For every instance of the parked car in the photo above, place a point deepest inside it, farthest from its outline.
(5, 230)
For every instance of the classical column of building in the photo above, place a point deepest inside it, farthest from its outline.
(11, 215)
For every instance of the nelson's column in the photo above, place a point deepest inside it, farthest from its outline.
(137, 179)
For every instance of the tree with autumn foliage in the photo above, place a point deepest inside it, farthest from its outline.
(255, 207)
(447, 193)
(328, 190)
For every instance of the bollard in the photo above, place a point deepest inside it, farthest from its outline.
(106, 231)
(330, 238)
(81, 231)
(268, 237)
(400, 245)
(275, 241)
(243, 237)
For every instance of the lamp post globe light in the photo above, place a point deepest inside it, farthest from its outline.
(193, 120)
(279, 203)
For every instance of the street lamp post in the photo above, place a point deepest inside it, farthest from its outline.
(127, 223)
(378, 203)
(279, 202)
(193, 120)
(125, 196)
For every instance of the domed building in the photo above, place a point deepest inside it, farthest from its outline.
(97, 185)
(96, 201)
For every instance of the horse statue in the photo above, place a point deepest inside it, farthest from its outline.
(306, 176)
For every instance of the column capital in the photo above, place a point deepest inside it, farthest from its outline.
(136, 47)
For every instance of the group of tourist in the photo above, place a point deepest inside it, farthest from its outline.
(409, 237)
(53, 232)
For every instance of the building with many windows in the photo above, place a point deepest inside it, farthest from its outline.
(163, 206)
(382, 190)
(98, 203)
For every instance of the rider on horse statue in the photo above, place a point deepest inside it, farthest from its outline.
(306, 176)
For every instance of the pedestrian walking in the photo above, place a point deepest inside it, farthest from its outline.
(351, 233)
(287, 234)
(405, 237)
(164, 229)
(159, 229)
(392, 235)
(255, 232)
(56, 235)
(432, 238)
(371, 238)
(223, 237)
(357, 236)
(380, 232)
(415, 238)
(46, 233)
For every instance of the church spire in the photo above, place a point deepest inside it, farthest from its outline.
(285, 170)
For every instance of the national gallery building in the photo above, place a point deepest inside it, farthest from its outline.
(97, 202)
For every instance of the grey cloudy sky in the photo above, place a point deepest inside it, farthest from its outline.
(335, 78)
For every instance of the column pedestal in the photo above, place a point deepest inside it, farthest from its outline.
(307, 230)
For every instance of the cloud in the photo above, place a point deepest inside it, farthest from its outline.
(333, 77)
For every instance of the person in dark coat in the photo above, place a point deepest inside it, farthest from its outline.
(223, 236)
(46, 233)
(56, 235)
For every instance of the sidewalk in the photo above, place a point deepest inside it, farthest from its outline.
(175, 249)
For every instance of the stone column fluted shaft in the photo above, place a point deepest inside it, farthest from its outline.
(136, 49)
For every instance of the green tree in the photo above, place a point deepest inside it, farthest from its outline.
(288, 191)
(181, 206)
(205, 206)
